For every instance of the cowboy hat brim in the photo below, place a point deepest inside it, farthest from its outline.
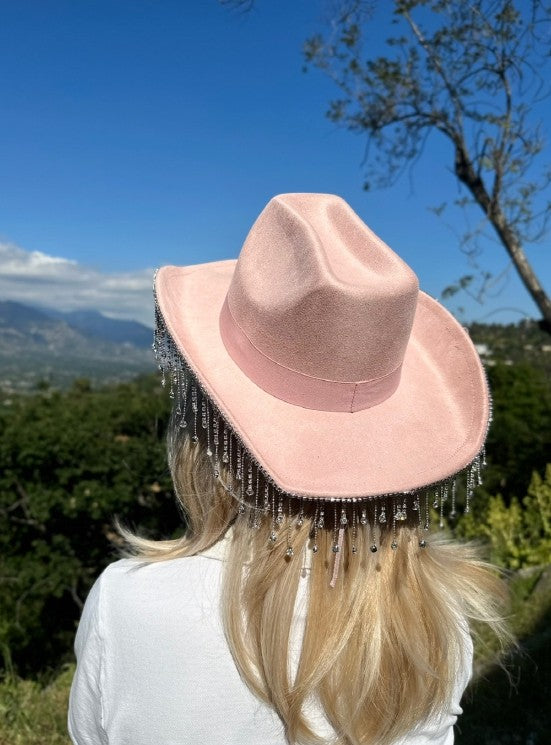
(430, 428)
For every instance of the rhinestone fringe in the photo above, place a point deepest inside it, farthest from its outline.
(265, 503)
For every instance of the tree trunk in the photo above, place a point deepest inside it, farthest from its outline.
(467, 175)
(523, 267)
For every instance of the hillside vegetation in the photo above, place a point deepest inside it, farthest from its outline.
(71, 460)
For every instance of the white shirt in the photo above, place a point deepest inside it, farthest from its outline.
(154, 668)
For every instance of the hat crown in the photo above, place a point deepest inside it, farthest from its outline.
(317, 292)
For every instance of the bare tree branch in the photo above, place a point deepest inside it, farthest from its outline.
(472, 72)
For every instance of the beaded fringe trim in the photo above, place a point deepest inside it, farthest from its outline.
(261, 498)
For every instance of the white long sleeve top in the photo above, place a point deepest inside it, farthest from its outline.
(154, 668)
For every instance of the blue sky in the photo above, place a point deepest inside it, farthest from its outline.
(136, 134)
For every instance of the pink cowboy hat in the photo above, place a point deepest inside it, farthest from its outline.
(337, 374)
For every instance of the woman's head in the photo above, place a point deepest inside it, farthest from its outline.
(328, 474)
(382, 645)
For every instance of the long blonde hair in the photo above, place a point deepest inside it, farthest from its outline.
(381, 649)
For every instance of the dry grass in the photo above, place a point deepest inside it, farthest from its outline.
(32, 713)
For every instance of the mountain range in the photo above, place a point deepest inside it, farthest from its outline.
(40, 347)
(43, 345)
(95, 325)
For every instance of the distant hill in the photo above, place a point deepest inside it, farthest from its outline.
(38, 347)
(91, 323)
(23, 328)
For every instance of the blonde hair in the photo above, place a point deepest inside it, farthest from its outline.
(381, 649)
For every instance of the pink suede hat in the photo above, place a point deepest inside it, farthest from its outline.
(316, 356)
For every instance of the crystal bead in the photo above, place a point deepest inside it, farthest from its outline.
(300, 522)
(335, 549)
(209, 452)
(273, 536)
(373, 549)
(194, 438)
(422, 543)
(315, 548)
(225, 458)
(289, 551)
(394, 545)
(354, 550)
(250, 491)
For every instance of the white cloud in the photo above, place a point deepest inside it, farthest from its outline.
(38, 279)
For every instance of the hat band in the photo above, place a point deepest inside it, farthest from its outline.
(295, 387)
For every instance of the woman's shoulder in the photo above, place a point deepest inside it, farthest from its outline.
(159, 577)
(133, 598)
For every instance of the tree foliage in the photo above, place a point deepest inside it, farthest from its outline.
(472, 72)
(519, 440)
(71, 461)
(519, 533)
(68, 463)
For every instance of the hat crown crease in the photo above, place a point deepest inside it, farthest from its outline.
(317, 292)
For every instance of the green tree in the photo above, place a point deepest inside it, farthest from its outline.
(519, 440)
(68, 463)
(471, 72)
(519, 533)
